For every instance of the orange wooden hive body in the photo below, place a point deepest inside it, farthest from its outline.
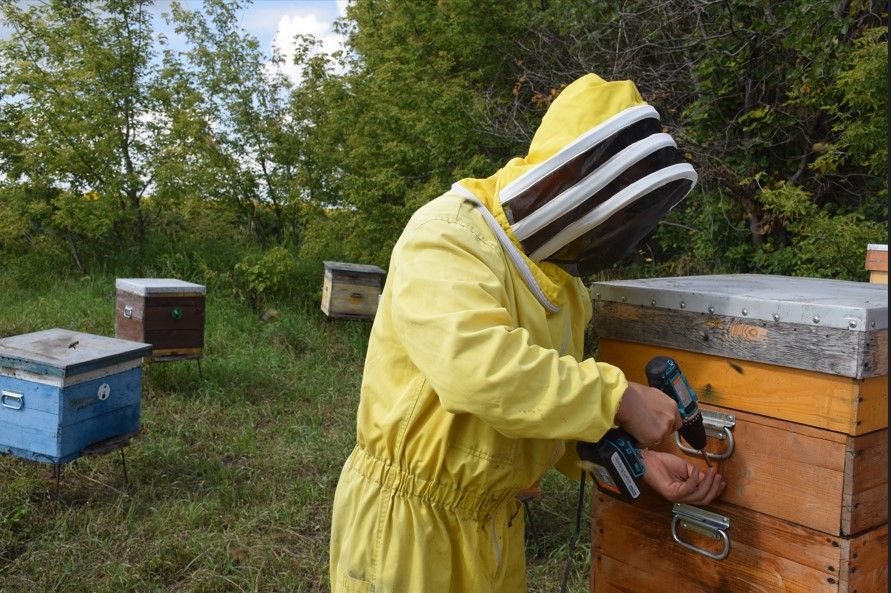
(796, 369)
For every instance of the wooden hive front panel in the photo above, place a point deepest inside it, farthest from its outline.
(824, 480)
(172, 323)
(62, 391)
(877, 263)
(833, 402)
(350, 294)
(633, 552)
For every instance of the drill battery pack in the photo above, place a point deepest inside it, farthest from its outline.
(615, 464)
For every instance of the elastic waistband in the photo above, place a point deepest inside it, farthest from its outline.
(469, 504)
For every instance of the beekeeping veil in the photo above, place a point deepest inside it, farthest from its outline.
(599, 175)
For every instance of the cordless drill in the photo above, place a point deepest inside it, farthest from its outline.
(615, 461)
(664, 374)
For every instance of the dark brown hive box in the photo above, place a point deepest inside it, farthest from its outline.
(351, 290)
(164, 312)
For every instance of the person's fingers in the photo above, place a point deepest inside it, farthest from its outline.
(701, 485)
(686, 488)
(708, 488)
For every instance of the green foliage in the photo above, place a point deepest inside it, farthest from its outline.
(76, 86)
(833, 246)
(90, 215)
(227, 103)
(260, 277)
(780, 106)
(862, 122)
(396, 130)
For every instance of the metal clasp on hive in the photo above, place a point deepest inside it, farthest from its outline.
(718, 426)
(703, 522)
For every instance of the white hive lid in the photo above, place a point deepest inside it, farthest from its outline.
(155, 286)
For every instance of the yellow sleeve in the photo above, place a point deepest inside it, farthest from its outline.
(450, 312)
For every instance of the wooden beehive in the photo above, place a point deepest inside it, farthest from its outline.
(351, 290)
(794, 372)
(62, 391)
(164, 312)
(877, 263)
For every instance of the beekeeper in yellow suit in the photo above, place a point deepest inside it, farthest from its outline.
(474, 378)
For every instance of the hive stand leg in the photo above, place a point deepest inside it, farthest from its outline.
(57, 474)
(531, 524)
(124, 464)
(200, 375)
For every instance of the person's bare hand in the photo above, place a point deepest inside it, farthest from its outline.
(647, 414)
(678, 481)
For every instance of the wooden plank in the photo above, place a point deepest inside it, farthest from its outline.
(872, 403)
(141, 307)
(877, 259)
(35, 396)
(805, 397)
(168, 302)
(352, 299)
(802, 474)
(191, 316)
(780, 472)
(878, 277)
(823, 349)
(82, 401)
(615, 575)
(128, 299)
(865, 501)
(326, 295)
(175, 338)
(357, 280)
(76, 437)
(874, 361)
(864, 567)
(348, 267)
(633, 550)
(129, 329)
(38, 433)
(163, 354)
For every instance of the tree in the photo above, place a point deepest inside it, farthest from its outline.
(230, 123)
(772, 101)
(78, 150)
(398, 127)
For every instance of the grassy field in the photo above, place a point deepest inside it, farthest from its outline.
(231, 479)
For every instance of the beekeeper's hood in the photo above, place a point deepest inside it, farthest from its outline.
(599, 175)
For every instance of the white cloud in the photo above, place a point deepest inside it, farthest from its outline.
(307, 23)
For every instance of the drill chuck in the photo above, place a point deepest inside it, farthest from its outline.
(664, 374)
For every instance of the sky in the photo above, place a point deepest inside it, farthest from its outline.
(272, 22)
(275, 23)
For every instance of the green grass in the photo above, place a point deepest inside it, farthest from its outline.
(232, 476)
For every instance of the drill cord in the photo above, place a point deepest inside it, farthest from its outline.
(578, 530)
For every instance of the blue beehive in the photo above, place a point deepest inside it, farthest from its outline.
(62, 391)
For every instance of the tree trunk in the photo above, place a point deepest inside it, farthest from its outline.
(72, 246)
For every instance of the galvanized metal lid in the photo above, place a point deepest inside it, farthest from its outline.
(858, 306)
(337, 266)
(158, 286)
(62, 353)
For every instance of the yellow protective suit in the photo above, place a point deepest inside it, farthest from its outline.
(473, 383)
